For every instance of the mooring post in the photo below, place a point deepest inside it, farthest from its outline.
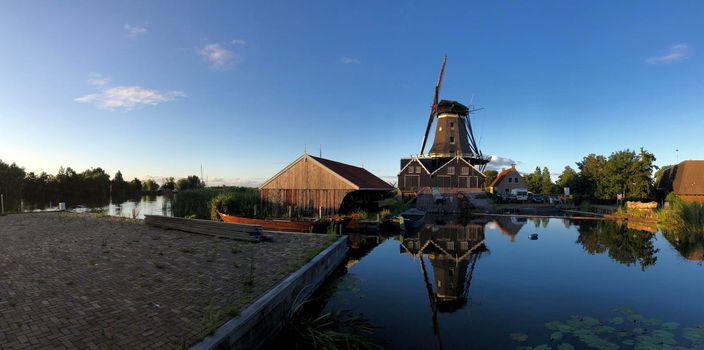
(2, 204)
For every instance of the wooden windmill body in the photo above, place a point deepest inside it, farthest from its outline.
(454, 161)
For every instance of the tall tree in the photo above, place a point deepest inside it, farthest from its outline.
(628, 173)
(490, 176)
(534, 180)
(568, 178)
(150, 185)
(546, 185)
(189, 183)
(11, 183)
(169, 184)
(590, 169)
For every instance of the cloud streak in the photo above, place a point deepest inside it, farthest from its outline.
(134, 31)
(349, 60)
(128, 97)
(498, 163)
(218, 56)
(674, 53)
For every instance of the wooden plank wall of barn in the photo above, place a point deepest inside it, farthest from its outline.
(306, 186)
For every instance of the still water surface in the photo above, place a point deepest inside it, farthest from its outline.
(484, 284)
(124, 207)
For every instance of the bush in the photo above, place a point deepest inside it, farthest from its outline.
(243, 203)
(682, 215)
(198, 203)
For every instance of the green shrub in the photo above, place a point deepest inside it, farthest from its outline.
(244, 203)
(198, 203)
(682, 215)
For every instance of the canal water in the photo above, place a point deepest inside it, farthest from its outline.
(484, 283)
(124, 207)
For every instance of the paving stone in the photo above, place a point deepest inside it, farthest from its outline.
(85, 281)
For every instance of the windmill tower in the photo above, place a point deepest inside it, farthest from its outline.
(454, 161)
(453, 133)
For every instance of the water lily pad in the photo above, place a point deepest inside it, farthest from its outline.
(694, 334)
(520, 337)
(524, 348)
(552, 325)
(565, 346)
(543, 347)
(670, 325)
(629, 342)
(604, 329)
(601, 344)
(652, 322)
(638, 330)
(616, 320)
(555, 336)
(635, 317)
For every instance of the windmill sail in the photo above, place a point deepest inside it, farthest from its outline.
(434, 108)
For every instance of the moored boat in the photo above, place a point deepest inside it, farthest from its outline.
(301, 225)
(413, 218)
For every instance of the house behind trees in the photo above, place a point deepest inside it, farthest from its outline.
(507, 180)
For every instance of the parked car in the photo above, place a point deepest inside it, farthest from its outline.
(538, 198)
(520, 194)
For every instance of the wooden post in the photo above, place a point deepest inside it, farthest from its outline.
(255, 210)
(289, 211)
(2, 204)
(320, 212)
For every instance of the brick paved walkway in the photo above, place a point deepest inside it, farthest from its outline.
(89, 282)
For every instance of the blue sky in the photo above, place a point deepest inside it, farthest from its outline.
(158, 88)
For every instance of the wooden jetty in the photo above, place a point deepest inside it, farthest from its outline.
(241, 232)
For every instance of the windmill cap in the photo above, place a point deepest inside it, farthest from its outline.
(452, 107)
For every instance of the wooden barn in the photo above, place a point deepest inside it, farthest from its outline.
(686, 180)
(312, 185)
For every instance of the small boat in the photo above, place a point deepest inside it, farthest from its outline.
(413, 218)
(302, 225)
(392, 224)
(533, 236)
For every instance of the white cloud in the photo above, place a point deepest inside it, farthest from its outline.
(239, 42)
(135, 30)
(98, 80)
(218, 56)
(349, 60)
(499, 163)
(128, 97)
(674, 53)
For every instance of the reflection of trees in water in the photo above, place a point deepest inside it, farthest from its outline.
(689, 244)
(623, 245)
(540, 222)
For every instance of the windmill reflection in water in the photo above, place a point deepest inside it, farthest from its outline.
(453, 250)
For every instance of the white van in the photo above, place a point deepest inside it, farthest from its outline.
(521, 194)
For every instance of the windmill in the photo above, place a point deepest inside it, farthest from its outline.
(454, 135)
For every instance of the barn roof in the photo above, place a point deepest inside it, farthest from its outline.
(356, 175)
(352, 175)
(686, 178)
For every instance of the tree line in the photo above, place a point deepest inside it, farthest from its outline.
(600, 178)
(68, 184)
